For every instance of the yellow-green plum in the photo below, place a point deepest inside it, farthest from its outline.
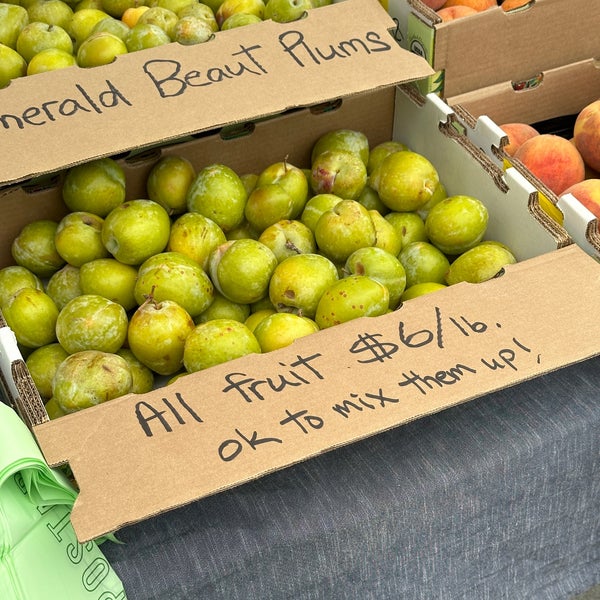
(349, 140)
(37, 36)
(420, 289)
(298, 282)
(223, 308)
(100, 48)
(146, 35)
(169, 181)
(285, 11)
(288, 238)
(111, 279)
(42, 364)
(381, 150)
(231, 7)
(32, 316)
(50, 59)
(291, 178)
(457, 223)
(142, 376)
(83, 22)
(160, 16)
(343, 229)
(381, 266)
(174, 276)
(78, 238)
(281, 329)
(91, 322)
(13, 18)
(52, 12)
(15, 277)
(34, 248)
(267, 204)
(404, 180)
(423, 262)
(97, 186)
(350, 298)
(88, 378)
(136, 230)
(387, 236)
(64, 285)
(315, 206)
(338, 172)
(480, 263)
(216, 342)
(241, 270)
(112, 25)
(410, 226)
(157, 333)
(218, 193)
(239, 20)
(12, 65)
(196, 236)
(192, 30)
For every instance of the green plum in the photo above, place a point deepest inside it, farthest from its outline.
(174, 276)
(420, 289)
(387, 236)
(50, 59)
(218, 341)
(231, 7)
(241, 270)
(410, 226)
(88, 378)
(136, 230)
(267, 204)
(298, 282)
(52, 12)
(315, 206)
(169, 181)
(42, 364)
(381, 266)
(192, 30)
(338, 172)
(349, 140)
(457, 223)
(292, 179)
(97, 186)
(160, 16)
(480, 263)
(218, 193)
(111, 279)
(380, 151)
(64, 285)
(13, 18)
(91, 322)
(34, 248)
(281, 329)
(37, 36)
(285, 11)
(423, 262)
(146, 35)
(350, 298)
(142, 376)
(404, 180)
(32, 316)
(15, 277)
(195, 236)
(288, 238)
(223, 308)
(240, 20)
(78, 238)
(100, 48)
(12, 65)
(157, 333)
(343, 229)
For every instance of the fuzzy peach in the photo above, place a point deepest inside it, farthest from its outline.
(517, 133)
(477, 5)
(586, 134)
(450, 13)
(433, 4)
(554, 160)
(588, 193)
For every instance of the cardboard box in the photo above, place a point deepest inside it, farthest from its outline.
(138, 456)
(551, 106)
(495, 45)
(54, 120)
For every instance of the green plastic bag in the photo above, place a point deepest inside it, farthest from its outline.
(40, 557)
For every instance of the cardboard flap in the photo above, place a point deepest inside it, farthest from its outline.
(582, 224)
(559, 92)
(165, 93)
(216, 429)
(489, 47)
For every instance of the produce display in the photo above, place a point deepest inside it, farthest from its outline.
(37, 36)
(213, 265)
(449, 10)
(564, 165)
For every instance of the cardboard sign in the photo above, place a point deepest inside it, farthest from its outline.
(238, 421)
(165, 93)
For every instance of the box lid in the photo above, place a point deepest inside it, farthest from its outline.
(165, 93)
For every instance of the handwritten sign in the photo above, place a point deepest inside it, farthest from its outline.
(168, 92)
(143, 454)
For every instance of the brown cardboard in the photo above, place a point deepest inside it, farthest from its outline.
(495, 45)
(166, 93)
(137, 456)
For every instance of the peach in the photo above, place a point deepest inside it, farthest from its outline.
(478, 5)
(517, 134)
(513, 4)
(433, 4)
(586, 134)
(455, 12)
(554, 160)
(588, 193)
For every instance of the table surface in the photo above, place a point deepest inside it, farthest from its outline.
(495, 498)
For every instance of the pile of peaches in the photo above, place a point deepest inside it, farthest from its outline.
(564, 166)
(448, 10)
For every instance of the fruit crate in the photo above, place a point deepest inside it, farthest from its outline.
(551, 106)
(494, 45)
(164, 94)
(434, 352)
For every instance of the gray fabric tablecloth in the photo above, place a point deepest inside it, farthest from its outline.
(498, 498)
